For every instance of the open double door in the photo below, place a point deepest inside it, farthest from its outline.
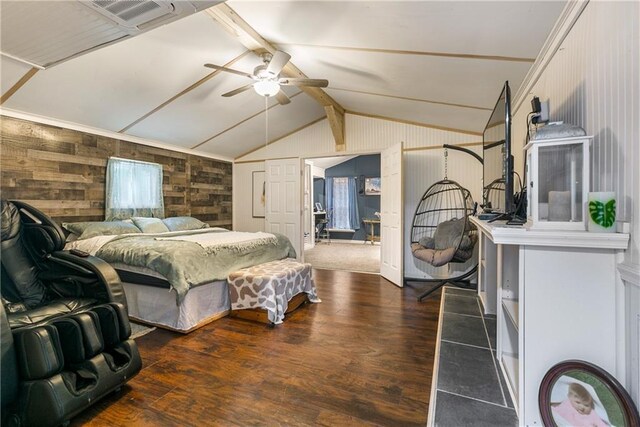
(284, 209)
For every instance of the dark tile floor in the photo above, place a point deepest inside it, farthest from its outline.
(470, 388)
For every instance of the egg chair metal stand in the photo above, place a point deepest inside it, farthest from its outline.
(441, 233)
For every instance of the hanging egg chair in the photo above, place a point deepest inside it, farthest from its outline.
(441, 232)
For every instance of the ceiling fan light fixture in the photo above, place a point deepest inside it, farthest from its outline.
(266, 87)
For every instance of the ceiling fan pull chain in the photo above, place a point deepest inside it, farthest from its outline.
(266, 121)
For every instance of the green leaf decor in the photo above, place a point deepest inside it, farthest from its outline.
(603, 214)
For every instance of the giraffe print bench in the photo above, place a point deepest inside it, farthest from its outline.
(276, 287)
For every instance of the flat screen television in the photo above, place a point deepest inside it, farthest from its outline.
(497, 169)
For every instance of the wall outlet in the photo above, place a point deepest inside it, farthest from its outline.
(540, 110)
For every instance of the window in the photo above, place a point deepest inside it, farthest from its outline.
(342, 203)
(133, 188)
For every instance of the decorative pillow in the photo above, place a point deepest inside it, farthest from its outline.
(427, 242)
(86, 230)
(448, 233)
(150, 225)
(183, 223)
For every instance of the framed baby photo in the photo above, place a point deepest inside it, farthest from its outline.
(577, 393)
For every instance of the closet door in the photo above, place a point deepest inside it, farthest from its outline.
(391, 241)
(283, 212)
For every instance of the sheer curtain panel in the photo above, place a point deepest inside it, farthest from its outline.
(342, 203)
(133, 188)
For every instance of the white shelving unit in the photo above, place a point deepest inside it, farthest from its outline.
(487, 274)
(552, 291)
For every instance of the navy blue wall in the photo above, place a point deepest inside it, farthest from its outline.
(361, 166)
(318, 192)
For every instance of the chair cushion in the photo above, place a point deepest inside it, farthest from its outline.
(39, 352)
(434, 257)
(53, 309)
(20, 282)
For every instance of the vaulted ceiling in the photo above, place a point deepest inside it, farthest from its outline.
(438, 64)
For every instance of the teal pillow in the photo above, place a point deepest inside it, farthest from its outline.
(150, 225)
(184, 223)
(86, 230)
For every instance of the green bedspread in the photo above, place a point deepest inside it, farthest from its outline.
(187, 264)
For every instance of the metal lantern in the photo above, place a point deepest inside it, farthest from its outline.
(558, 183)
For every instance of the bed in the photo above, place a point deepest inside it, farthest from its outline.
(175, 278)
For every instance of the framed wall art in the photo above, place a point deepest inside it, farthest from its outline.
(372, 186)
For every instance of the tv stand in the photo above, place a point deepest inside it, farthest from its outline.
(554, 294)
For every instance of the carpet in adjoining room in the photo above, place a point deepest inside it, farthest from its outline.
(344, 256)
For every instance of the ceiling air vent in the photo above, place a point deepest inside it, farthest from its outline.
(132, 13)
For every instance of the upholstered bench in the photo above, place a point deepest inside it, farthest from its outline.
(276, 287)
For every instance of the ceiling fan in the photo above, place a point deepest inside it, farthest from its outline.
(266, 77)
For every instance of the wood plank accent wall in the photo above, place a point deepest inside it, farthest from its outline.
(63, 172)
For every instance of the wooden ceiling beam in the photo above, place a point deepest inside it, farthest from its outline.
(13, 89)
(252, 40)
(336, 121)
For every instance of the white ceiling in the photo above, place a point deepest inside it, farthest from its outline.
(374, 54)
(511, 28)
(66, 29)
(329, 162)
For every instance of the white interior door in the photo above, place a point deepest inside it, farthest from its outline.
(391, 241)
(307, 214)
(284, 200)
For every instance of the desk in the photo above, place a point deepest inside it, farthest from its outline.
(554, 295)
(320, 225)
(371, 236)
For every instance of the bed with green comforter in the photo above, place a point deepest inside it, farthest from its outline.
(189, 258)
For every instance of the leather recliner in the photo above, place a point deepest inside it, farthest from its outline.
(64, 330)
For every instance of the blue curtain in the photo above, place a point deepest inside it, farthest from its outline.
(133, 188)
(342, 203)
(354, 215)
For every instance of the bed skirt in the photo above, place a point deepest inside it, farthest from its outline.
(157, 306)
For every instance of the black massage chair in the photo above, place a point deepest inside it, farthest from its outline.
(65, 335)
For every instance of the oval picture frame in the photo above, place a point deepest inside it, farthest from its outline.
(575, 392)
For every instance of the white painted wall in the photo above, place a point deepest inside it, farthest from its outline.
(365, 135)
(316, 171)
(593, 81)
(242, 191)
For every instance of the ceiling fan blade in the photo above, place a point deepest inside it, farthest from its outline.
(282, 98)
(237, 91)
(228, 70)
(278, 61)
(304, 82)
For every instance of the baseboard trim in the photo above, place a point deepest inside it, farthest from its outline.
(355, 242)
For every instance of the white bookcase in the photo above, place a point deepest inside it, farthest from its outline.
(554, 299)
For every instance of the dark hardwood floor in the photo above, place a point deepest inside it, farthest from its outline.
(364, 356)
